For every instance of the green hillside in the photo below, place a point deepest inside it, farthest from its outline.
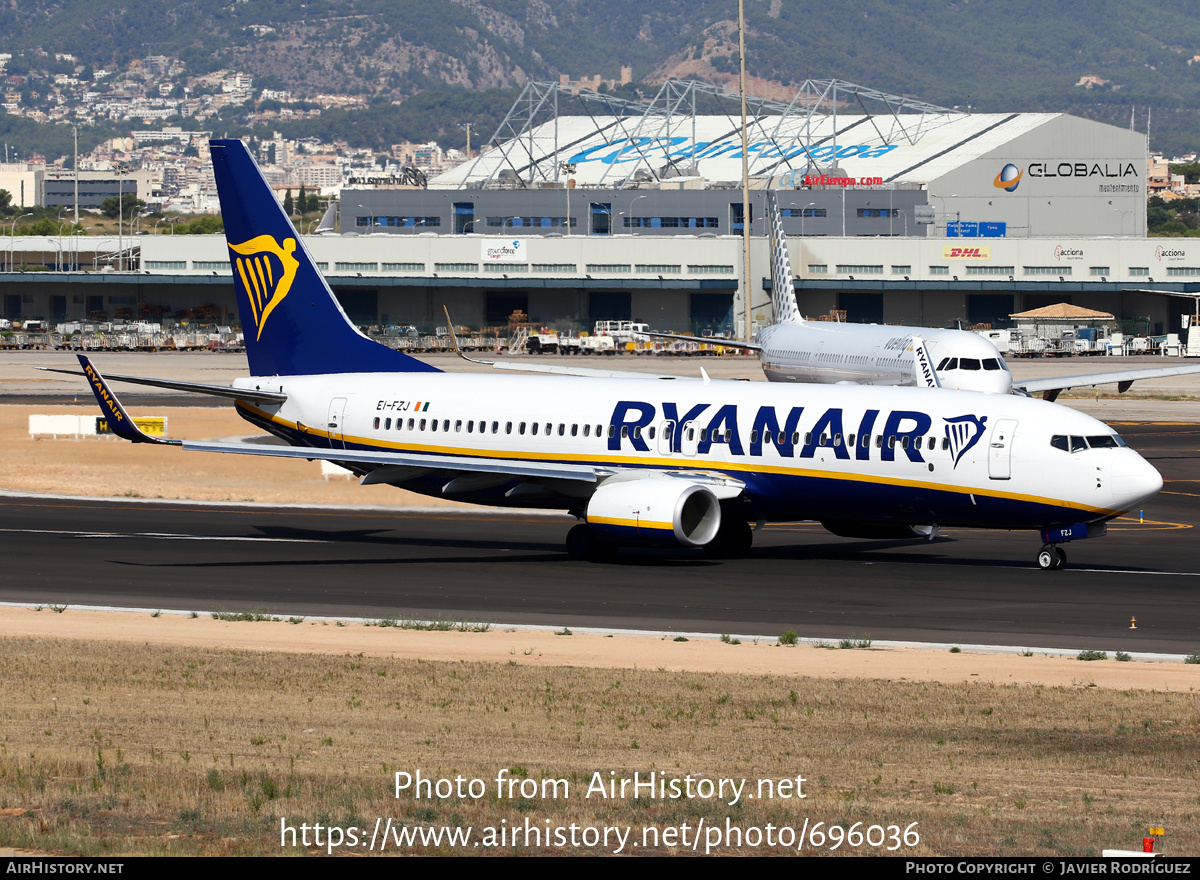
(991, 55)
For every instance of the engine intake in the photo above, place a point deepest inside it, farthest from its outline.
(654, 513)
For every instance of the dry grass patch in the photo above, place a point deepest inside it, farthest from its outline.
(117, 749)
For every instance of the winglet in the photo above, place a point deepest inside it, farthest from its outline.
(453, 335)
(119, 421)
(926, 375)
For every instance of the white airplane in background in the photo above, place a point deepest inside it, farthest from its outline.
(639, 461)
(795, 350)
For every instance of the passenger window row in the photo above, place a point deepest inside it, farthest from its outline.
(829, 440)
(482, 427)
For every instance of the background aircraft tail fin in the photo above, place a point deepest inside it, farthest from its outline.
(783, 288)
(292, 322)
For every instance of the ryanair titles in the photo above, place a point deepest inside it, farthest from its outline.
(874, 435)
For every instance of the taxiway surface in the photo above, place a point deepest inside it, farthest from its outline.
(968, 587)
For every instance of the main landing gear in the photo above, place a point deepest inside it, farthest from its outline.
(1051, 558)
(582, 546)
(733, 539)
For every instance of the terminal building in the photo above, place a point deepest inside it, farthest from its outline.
(896, 211)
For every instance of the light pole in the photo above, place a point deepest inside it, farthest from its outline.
(75, 244)
(1121, 227)
(957, 214)
(802, 210)
(631, 214)
(60, 245)
(12, 233)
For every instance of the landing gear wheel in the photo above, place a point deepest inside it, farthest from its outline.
(1051, 558)
(583, 546)
(733, 540)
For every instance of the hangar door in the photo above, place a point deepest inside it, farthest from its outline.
(861, 308)
(360, 306)
(712, 311)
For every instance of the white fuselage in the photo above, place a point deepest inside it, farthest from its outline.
(803, 451)
(876, 354)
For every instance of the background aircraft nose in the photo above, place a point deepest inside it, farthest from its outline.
(1134, 479)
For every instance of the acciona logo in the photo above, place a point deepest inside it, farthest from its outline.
(1161, 253)
(1066, 253)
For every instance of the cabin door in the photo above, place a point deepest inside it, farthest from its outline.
(689, 438)
(1000, 451)
(666, 430)
(337, 415)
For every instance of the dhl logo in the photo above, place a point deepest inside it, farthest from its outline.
(966, 253)
(267, 270)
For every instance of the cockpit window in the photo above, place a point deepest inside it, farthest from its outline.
(968, 364)
(942, 365)
(949, 364)
(991, 364)
(1078, 444)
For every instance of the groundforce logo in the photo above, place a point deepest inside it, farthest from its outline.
(267, 270)
(1008, 178)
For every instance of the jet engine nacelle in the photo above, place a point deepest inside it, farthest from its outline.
(880, 531)
(654, 513)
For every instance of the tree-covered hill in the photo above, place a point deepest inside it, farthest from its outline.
(989, 54)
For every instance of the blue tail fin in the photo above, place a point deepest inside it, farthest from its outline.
(293, 324)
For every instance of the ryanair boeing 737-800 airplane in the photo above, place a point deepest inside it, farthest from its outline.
(640, 461)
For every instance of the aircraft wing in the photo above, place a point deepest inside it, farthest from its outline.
(123, 426)
(1050, 388)
(193, 387)
(462, 463)
(704, 340)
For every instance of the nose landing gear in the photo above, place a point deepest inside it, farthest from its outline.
(1051, 558)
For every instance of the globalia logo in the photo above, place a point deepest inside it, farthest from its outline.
(1008, 178)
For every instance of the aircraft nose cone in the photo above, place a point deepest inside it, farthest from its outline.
(1134, 480)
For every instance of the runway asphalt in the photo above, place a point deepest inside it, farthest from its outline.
(969, 587)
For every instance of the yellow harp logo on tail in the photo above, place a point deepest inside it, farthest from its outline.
(267, 281)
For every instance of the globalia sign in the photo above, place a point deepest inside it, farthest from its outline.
(1008, 178)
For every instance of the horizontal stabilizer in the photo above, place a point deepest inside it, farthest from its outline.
(565, 370)
(555, 369)
(191, 387)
